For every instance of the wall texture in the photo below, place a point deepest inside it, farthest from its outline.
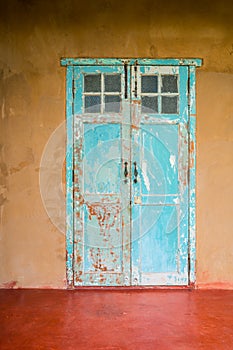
(34, 35)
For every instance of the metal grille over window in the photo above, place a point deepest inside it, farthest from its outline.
(169, 92)
(112, 83)
(112, 93)
(92, 104)
(112, 103)
(92, 93)
(169, 104)
(102, 93)
(159, 93)
(149, 104)
(149, 83)
(149, 92)
(169, 83)
(92, 83)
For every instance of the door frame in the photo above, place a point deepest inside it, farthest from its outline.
(69, 63)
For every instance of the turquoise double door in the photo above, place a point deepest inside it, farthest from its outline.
(130, 189)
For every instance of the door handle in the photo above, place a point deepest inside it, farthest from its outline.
(135, 173)
(126, 173)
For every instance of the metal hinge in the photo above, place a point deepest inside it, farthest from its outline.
(136, 81)
(126, 80)
(188, 89)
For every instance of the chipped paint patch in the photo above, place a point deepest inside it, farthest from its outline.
(172, 160)
(144, 175)
(106, 214)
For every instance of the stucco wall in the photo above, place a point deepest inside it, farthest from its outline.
(34, 36)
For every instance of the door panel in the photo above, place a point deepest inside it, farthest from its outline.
(102, 198)
(159, 194)
(159, 154)
(159, 242)
(102, 158)
(101, 194)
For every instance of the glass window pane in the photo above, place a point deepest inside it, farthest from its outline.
(92, 83)
(92, 104)
(112, 82)
(169, 83)
(149, 104)
(112, 104)
(149, 83)
(169, 104)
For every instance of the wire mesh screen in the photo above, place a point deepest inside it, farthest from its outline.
(92, 104)
(92, 83)
(149, 83)
(112, 103)
(149, 104)
(112, 82)
(169, 104)
(169, 83)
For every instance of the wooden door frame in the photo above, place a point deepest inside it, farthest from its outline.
(70, 63)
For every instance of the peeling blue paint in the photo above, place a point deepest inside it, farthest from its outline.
(160, 213)
(88, 265)
(130, 61)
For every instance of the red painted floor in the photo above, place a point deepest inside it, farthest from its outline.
(114, 320)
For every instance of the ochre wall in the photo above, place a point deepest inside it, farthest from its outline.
(34, 36)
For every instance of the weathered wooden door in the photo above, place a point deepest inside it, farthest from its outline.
(160, 176)
(101, 185)
(130, 175)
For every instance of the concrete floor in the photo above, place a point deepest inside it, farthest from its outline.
(116, 319)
